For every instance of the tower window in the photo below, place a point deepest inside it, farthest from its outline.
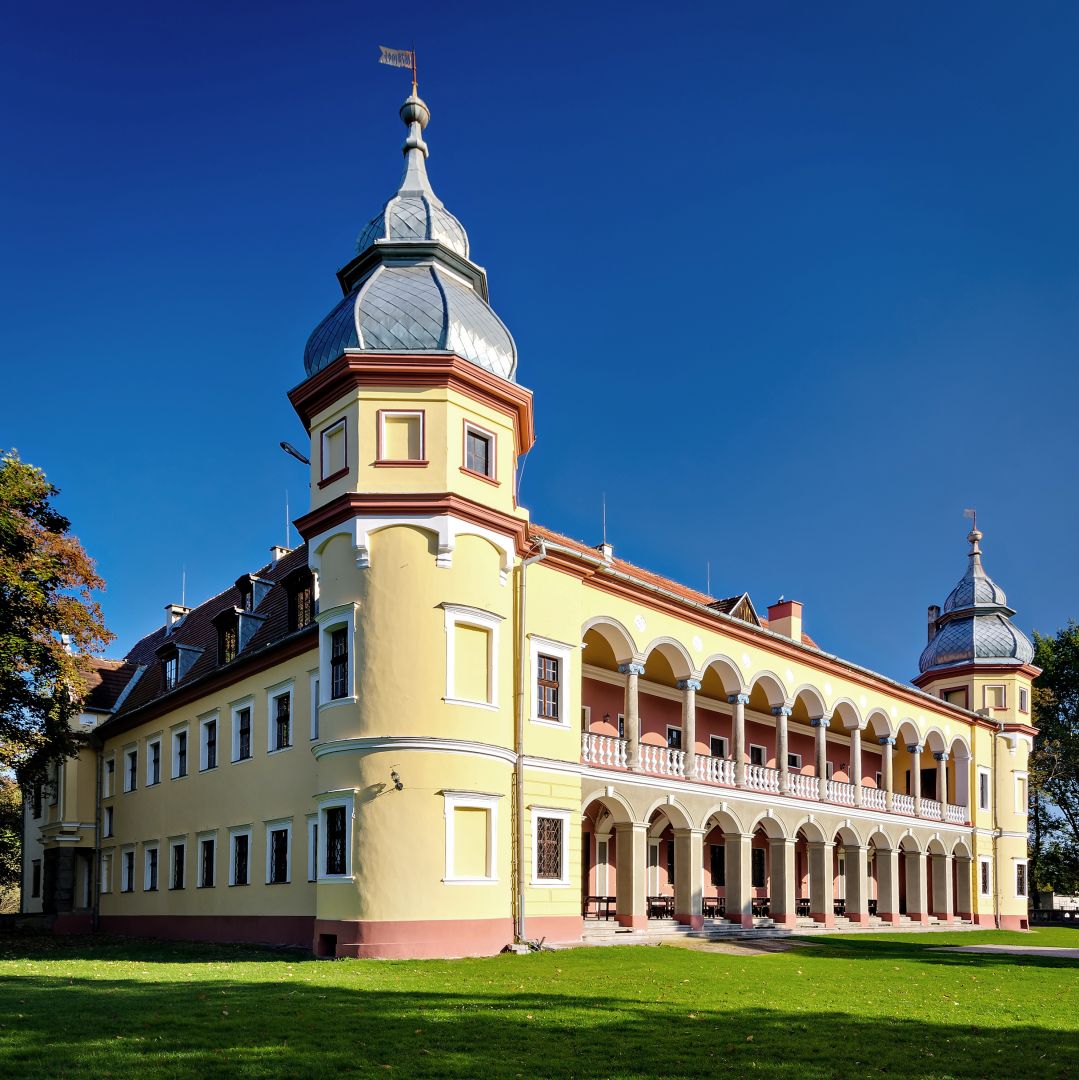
(996, 697)
(479, 452)
(400, 438)
(339, 663)
(334, 458)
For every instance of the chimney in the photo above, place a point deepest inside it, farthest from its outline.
(174, 615)
(932, 615)
(785, 617)
(606, 550)
(277, 553)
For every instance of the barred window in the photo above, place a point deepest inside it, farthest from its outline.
(984, 867)
(547, 683)
(549, 843)
(1021, 879)
(339, 663)
(336, 861)
(278, 856)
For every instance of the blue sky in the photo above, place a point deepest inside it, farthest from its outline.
(793, 284)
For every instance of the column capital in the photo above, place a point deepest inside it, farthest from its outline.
(634, 667)
(940, 755)
(630, 826)
(821, 721)
(887, 740)
(777, 840)
(738, 699)
(682, 832)
(781, 710)
(915, 747)
(820, 845)
(689, 684)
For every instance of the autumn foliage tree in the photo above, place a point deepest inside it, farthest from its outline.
(50, 624)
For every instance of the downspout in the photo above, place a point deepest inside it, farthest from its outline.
(519, 741)
(996, 825)
(95, 870)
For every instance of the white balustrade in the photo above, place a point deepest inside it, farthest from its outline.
(805, 787)
(932, 809)
(837, 792)
(761, 779)
(957, 815)
(603, 750)
(662, 760)
(874, 798)
(903, 804)
(715, 770)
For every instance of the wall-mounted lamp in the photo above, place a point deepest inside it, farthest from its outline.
(397, 782)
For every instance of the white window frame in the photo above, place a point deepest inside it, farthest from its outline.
(670, 728)
(324, 435)
(154, 847)
(108, 780)
(127, 880)
(127, 784)
(603, 866)
(108, 815)
(1024, 699)
(985, 862)
(1003, 688)
(492, 454)
(314, 680)
(282, 689)
(1025, 864)
(471, 800)
(328, 621)
(174, 843)
(1021, 791)
(382, 414)
(199, 840)
(204, 723)
(560, 651)
(277, 826)
(726, 746)
(180, 729)
(235, 832)
(796, 764)
(764, 754)
(462, 615)
(829, 770)
(234, 712)
(154, 740)
(988, 776)
(586, 717)
(566, 817)
(105, 872)
(312, 847)
(349, 803)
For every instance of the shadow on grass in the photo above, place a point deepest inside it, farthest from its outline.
(93, 947)
(63, 1026)
(932, 952)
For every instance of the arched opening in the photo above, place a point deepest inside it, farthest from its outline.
(851, 877)
(802, 744)
(941, 882)
(606, 646)
(766, 693)
(877, 758)
(672, 880)
(906, 769)
(815, 874)
(913, 897)
(721, 852)
(959, 788)
(660, 709)
(714, 744)
(602, 817)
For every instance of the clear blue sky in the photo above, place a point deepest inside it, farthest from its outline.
(793, 283)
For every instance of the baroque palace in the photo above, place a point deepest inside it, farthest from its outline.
(437, 729)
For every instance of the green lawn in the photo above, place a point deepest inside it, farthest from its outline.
(843, 1006)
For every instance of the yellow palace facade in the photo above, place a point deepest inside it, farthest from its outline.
(438, 729)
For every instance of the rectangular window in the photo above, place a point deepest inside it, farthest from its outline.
(621, 726)
(339, 687)
(301, 603)
(228, 642)
(759, 877)
(996, 697)
(983, 789)
(334, 452)
(717, 744)
(336, 852)
(281, 709)
(1024, 700)
(1021, 793)
(757, 754)
(314, 705)
(471, 831)
(718, 864)
(479, 451)
(239, 870)
(107, 820)
(131, 770)
(277, 848)
(150, 883)
(794, 761)
(108, 783)
(983, 876)
(179, 754)
(105, 872)
(127, 871)
(153, 763)
(171, 667)
(674, 737)
(1020, 879)
(207, 861)
(829, 768)
(179, 854)
(35, 878)
(550, 848)
(400, 437)
(879, 779)
(957, 696)
(471, 651)
(548, 676)
(209, 744)
(241, 733)
(312, 849)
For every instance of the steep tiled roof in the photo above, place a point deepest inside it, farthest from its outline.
(197, 630)
(104, 683)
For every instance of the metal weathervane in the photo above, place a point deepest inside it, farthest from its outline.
(403, 58)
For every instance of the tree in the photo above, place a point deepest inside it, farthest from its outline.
(50, 625)
(10, 839)
(1054, 765)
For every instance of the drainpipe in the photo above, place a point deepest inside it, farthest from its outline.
(996, 825)
(519, 741)
(95, 871)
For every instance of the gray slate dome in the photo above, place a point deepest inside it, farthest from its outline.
(976, 626)
(415, 289)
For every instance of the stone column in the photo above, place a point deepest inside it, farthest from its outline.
(942, 887)
(917, 902)
(887, 752)
(820, 725)
(630, 887)
(887, 862)
(781, 712)
(963, 887)
(739, 891)
(689, 688)
(738, 733)
(857, 879)
(915, 751)
(942, 783)
(689, 876)
(821, 891)
(781, 884)
(632, 671)
(856, 764)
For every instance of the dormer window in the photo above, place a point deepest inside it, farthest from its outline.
(247, 597)
(301, 599)
(170, 665)
(228, 640)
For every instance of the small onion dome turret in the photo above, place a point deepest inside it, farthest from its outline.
(975, 626)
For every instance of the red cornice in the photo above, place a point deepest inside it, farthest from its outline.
(416, 371)
(927, 677)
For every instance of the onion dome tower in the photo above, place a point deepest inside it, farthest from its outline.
(975, 653)
(412, 286)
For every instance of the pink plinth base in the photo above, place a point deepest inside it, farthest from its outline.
(694, 921)
(741, 920)
(259, 929)
(946, 918)
(80, 923)
(403, 939)
(825, 918)
(784, 920)
(983, 919)
(888, 917)
(634, 922)
(1014, 922)
(965, 915)
(858, 916)
(920, 917)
